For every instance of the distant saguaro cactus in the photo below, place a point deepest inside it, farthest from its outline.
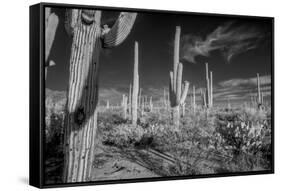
(81, 109)
(259, 93)
(203, 97)
(139, 97)
(51, 24)
(124, 105)
(164, 99)
(107, 104)
(150, 104)
(194, 99)
(209, 87)
(177, 95)
(135, 85)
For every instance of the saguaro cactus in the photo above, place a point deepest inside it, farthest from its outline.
(258, 90)
(107, 104)
(183, 109)
(260, 96)
(203, 97)
(51, 24)
(130, 101)
(177, 96)
(194, 99)
(139, 97)
(81, 110)
(209, 87)
(124, 105)
(164, 99)
(135, 86)
(150, 104)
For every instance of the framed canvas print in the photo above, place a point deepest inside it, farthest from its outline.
(128, 95)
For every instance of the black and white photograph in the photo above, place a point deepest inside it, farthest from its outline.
(134, 94)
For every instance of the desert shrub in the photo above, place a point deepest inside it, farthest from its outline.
(54, 128)
(123, 135)
(245, 136)
(211, 141)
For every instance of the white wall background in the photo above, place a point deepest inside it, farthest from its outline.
(14, 79)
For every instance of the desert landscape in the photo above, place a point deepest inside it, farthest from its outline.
(177, 106)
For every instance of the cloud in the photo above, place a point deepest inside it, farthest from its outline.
(230, 39)
(264, 80)
(242, 88)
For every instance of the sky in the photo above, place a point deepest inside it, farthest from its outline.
(236, 50)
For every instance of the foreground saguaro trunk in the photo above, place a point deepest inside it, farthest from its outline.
(135, 86)
(81, 113)
(177, 95)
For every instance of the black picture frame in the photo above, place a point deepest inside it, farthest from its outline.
(37, 96)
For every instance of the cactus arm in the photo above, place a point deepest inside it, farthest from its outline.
(120, 30)
(51, 24)
(184, 92)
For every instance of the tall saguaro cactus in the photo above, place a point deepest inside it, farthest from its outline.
(130, 101)
(51, 24)
(135, 86)
(209, 87)
(177, 95)
(259, 93)
(81, 110)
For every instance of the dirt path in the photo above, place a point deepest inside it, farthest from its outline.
(112, 163)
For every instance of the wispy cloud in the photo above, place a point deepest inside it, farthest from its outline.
(264, 80)
(231, 40)
(242, 88)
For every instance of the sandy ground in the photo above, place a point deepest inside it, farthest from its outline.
(112, 164)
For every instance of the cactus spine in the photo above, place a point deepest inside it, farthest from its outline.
(81, 109)
(177, 96)
(135, 86)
